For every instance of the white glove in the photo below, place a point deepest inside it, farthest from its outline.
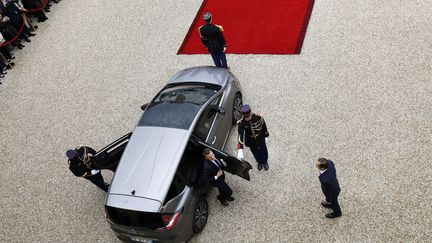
(94, 172)
(266, 139)
(240, 155)
(224, 49)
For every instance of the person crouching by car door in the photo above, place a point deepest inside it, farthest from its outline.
(80, 163)
(213, 173)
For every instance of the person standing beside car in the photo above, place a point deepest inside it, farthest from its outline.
(253, 133)
(80, 163)
(213, 39)
(213, 173)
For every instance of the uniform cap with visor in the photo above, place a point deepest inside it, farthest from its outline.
(245, 110)
(207, 16)
(71, 154)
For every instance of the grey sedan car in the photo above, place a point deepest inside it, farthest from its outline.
(157, 194)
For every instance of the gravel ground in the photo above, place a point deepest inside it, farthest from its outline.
(359, 94)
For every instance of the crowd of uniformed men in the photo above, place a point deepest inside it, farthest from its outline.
(16, 26)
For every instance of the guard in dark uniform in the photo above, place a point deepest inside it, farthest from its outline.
(213, 39)
(253, 133)
(80, 163)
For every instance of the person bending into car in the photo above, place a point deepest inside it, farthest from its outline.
(80, 163)
(213, 173)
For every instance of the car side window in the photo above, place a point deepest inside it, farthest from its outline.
(206, 119)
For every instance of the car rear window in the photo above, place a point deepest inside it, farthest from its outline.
(134, 218)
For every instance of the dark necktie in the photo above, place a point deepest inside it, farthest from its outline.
(217, 163)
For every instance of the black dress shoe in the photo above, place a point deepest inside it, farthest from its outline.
(332, 215)
(230, 199)
(326, 204)
(266, 167)
(27, 40)
(224, 202)
(3, 73)
(12, 57)
(260, 166)
(31, 34)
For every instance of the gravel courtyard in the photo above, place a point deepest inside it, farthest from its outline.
(360, 93)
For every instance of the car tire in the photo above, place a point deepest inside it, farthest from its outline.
(237, 104)
(200, 215)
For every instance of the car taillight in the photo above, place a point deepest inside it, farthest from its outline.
(170, 220)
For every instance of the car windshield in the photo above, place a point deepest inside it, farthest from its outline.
(177, 106)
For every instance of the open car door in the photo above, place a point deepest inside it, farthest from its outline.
(109, 156)
(234, 166)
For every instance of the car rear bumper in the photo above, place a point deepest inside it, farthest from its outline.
(129, 234)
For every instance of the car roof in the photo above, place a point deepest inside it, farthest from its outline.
(148, 165)
(203, 74)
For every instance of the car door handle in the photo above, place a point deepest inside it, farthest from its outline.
(214, 140)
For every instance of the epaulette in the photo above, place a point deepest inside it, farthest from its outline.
(220, 27)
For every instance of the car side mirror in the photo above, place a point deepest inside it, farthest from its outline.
(221, 111)
(143, 107)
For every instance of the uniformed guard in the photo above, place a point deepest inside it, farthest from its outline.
(213, 39)
(80, 163)
(253, 133)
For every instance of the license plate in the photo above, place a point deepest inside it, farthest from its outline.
(141, 239)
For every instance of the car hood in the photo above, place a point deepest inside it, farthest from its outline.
(149, 163)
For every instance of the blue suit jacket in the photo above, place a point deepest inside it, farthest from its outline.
(210, 170)
(329, 183)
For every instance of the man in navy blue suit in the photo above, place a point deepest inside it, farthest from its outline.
(330, 187)
(213, 173)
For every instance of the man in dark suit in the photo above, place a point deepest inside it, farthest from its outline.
(213, 39)
(330, 187)
(213, 174)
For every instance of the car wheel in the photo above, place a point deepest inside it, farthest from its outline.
(200, 215)
(237, 104)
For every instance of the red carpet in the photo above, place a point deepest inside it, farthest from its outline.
(254, 26)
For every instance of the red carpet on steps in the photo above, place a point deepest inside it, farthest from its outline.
(254, 26)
